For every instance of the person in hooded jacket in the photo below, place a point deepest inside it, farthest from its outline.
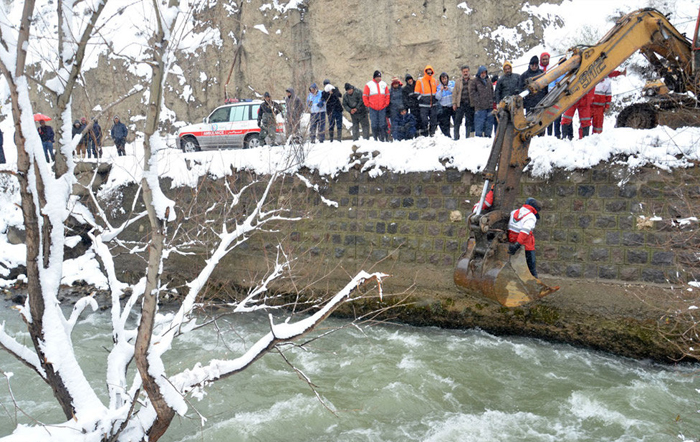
(426, 88)
(118, 133)
(376, 98)
(410, 98)
(355, 106)
(295, 109)
(396, 103)
(334, 108)
(481, 97)
(533, 70)
(317, 109)
(521, 231)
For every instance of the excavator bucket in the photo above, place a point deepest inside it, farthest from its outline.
(499, 276)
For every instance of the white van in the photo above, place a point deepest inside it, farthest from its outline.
(231, 126)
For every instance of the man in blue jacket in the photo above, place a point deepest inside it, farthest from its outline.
(47, 139)
(119, 133)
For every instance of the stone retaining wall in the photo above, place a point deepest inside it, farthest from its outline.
(606, 223)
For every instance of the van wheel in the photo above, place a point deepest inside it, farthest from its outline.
(252, 140)
(189, 144)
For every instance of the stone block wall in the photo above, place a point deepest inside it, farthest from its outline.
(606, 223)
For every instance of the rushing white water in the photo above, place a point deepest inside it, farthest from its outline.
(400, 383)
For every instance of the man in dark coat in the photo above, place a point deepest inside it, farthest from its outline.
(95, 140)
(47, 139)
(508, 83)
(481, 97)
(267, 120)
(295, 108)
(353, 104)
(119, 132)
(334, 110)
(533, 70)
(461, 104)
(410, 99)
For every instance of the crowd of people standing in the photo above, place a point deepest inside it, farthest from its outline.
(91, 138)
(398, 110)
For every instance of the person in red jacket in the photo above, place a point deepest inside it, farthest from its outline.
(602, 97)
(583, 106)
(521, 231)
(376, 99)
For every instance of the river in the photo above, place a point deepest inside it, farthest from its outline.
(399, 383)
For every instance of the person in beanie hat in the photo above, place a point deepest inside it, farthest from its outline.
(355, 106)
(508, 83)
(533, 70)
(521, 227)
(118, 133)
(376, 98)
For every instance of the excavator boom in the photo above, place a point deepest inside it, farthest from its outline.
(486, 268)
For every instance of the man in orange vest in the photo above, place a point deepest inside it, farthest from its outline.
(426, 88)
(376, 99)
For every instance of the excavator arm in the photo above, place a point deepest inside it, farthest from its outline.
(486, 268)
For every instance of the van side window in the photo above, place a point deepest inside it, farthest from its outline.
(240, 113)
(220, 115)
(254, 115)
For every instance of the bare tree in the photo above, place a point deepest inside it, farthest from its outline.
(142, 404)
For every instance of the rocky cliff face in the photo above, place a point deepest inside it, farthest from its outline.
(318, 39)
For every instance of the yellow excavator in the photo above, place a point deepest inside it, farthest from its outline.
(486, 268)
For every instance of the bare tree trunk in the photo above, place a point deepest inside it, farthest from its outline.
(38, 239)
(164, 412)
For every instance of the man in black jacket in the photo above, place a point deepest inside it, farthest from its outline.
(532, 71)
(508, 83)
(410, 99)
(353, 104)
(334, 110)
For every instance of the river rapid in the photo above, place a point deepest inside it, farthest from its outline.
(396, 383)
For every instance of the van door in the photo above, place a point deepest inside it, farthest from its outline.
(219, 125)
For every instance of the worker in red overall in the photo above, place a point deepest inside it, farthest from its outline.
(602, 97)
(583, 106)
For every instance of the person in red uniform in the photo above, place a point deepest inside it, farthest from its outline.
(521, 231)
(601, 100)
(583, 106)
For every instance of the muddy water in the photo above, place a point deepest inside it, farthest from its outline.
(399, 383)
